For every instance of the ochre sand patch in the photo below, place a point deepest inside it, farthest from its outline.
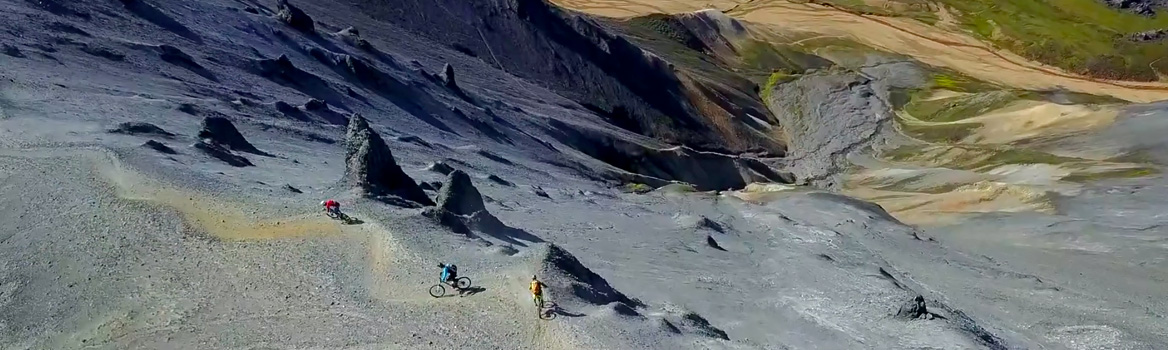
(928, 44)
(940, 208)
(218, 217)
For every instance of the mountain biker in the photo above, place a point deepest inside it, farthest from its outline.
(450, 275)
(536, 291)
(331, 207)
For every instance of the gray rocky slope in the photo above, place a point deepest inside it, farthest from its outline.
(120, 234)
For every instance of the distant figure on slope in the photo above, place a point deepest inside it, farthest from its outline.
(537, 292)
(450, 275)
(332, 208)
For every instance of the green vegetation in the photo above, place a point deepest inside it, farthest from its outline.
(942, 133)
(917, 9)
(1082, 36)
(964, 106)
(776, 78)
(1084, 177)
(971, 157)
(635, 187)
(759, 58)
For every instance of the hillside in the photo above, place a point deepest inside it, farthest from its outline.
(762, 175)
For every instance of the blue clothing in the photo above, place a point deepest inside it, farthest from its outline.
(448, 272)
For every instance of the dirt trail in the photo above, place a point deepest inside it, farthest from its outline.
(931, 45)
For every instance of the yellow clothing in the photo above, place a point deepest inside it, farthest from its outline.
(536, 288)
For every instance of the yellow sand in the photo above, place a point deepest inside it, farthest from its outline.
(218, 217)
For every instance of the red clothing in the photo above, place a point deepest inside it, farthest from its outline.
(331, 204)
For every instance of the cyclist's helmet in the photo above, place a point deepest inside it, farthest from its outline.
(532, 276)
(322, 202)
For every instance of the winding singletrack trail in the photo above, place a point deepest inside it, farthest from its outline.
(928, 44)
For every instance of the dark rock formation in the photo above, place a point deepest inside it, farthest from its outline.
(698, 324)
(459, 196)
(251, 10)
(1150, 35)
(295, 17)
(565, 275)
(12, 51)
(539, 191)
(448, 77)
(159, 146)
(1142, 7)
(221, 131)
(706, 223)
(913, 309)
(499, 180)
(369, 165)
(103, 52)
(710, 241)
(175, 55)
(440, 167)
(315, 105)
(137, 128)
(221, 153)
(292, 189)
(351, 36)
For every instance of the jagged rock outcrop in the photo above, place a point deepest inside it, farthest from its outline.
(221, 131)
(315, 105)
(913, 309)
(565, 276)
(1149, 35)
(352, 36)
(294, 17)
(1142, 7)
(139, 128)
(710, 241)
(370, 166)
(689, 322)
(448, 77)
(459, 196)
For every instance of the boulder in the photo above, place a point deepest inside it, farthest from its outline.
(459, 196)
(370, 166)
(295, 17)
(220, 130)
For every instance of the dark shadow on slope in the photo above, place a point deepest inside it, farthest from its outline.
(283, 72)
(152, 14)
(706, 171)
(579, 58)
(411, 98)
(67, 28)
(55, 7)
(490, 225)
(176, 56)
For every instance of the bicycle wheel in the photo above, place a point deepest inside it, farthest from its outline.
(462, 283)
(437, 290)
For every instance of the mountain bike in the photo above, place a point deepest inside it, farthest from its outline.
(439, 290)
